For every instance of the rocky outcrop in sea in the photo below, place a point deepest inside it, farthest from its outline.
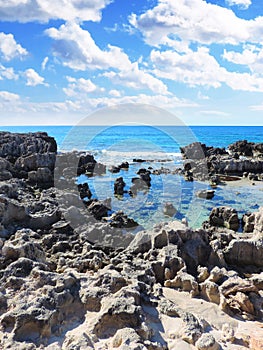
(74, 275)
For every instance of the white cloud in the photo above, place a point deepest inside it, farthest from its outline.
(7, 73)
(33, 78)
(44, 10)
(44, 63)
(6, 96)
(194, 68)
(135, 78)
(251, 56)
(115, 93)
(243, 4)
(80, 86)
(199, 68)
(182, 21)
(9, 48)
(78, 51)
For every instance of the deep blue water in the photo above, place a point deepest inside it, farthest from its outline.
(112, 145)
(167, 138)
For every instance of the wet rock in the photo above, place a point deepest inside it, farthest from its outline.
(206, 194)
(120, 220)
(84, 191)
(169, 209)
(224, 217)
(119, 185)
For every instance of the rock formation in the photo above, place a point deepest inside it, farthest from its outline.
(74, 275)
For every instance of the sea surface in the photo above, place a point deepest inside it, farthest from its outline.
(160, 147)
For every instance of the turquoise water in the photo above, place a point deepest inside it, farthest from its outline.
(160, 146)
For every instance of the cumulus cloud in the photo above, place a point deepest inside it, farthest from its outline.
(176, 22)
(45, 10)
(7, 73)
(9, 48)
(80, 86)
(251, 56)
(135, 78)
(199, 68)
(6, 96)
(78, 50)
(33, 78)
(243, 4)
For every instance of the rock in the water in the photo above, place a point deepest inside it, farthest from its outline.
(206, 194)
(169, 209)
(224, 217)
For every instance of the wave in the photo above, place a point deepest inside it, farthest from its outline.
(108, 156)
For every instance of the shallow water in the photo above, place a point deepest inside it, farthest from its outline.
(113, 145)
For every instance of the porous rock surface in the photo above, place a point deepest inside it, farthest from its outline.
(74, 277)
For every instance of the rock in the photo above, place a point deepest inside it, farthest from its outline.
(206, 194)
(127, 338)
(258, 225)
(120, 220)
(210, 292)
(185, 282)
(84, 191)
(244, 252)
(77, 342)
(169, 209)
(236, 284)
(98, 209)
(248, 222)
(21, 247)
(207, 342)
(119, 185)
(203, 273)
(224, 217)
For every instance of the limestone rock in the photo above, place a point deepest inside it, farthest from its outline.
(207, 342)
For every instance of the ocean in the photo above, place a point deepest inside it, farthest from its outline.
(160, 147)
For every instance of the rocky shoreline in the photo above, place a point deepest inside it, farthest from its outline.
(75, 276)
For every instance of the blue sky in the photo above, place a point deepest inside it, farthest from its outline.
(61, 60)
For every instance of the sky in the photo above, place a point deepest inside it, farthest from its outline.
(61, 60)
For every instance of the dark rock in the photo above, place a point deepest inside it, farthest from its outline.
(224, 217)
(206, 194)
(119, 185)
(84, 191)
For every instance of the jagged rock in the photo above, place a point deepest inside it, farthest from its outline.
(21, 246)
(120, 220)
(207, 342)
(210, 291)
(119, 185)
(84, 191)
(224, 217)
(98, 209)
(258, 225)
(203, 273)
(185, 282)
(248, 222)
(244, 252)
(77, 342)
(126, 339)
(236, 284)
